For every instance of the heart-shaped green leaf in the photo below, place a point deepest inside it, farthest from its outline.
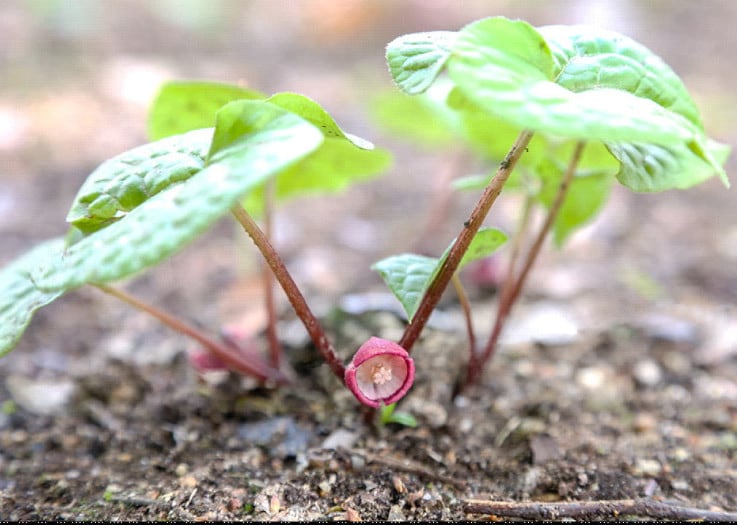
(182, 106)
(409, 275)
(313, 113)
(253, 140)
(340, 160)
(507, 68)
(416, 59)
(19, 297)
(588, 57)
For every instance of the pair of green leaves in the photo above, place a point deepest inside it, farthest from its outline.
(566, 83)
(142, 206)
(576, 82)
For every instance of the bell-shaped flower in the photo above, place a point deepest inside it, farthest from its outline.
(381, 372)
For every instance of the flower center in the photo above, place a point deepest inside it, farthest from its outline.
(380, 374)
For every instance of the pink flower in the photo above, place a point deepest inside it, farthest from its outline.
(381, 372)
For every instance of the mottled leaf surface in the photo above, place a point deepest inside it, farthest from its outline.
(253, 140)
(19, 296)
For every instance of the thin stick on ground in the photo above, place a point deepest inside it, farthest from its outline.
(463, 240)
(508, 299)
(245, 362)
(586, 510)
(297, 300)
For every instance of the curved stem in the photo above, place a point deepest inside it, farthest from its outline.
(297, 300)
(247, 363)
(508, 300)
(459, 247)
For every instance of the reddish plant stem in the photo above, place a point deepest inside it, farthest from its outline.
(508, 299)
(466, 308)
(590, 510)
(297, 300)
(459, 247)
(517, 243)
(275, 350)
(246, 363)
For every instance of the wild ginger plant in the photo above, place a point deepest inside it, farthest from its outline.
(587, 106)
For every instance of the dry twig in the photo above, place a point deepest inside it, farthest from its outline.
(536, 510)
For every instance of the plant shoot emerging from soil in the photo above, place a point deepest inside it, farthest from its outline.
(565, 111)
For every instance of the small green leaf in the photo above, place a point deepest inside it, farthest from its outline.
(415, 60)
(253, 140)
(485, 242)
(129, 179)
(388, 415)
(19, 297)
(182, 106)
(409, 275)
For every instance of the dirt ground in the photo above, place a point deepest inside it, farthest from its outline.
(616, 379)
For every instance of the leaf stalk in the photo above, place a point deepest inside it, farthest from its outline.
(513, 285)
(297, 300)
(463, 240)
(245, 362)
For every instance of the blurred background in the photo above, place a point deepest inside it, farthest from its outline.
(76, 79)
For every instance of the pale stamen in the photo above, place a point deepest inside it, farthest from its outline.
(381, 374)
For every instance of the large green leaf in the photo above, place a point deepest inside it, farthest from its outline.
(650, 167)
(415, 60)
(341, 159)
(507, 68)
(19, 297)
(588, 57)
(253, 140)
(129, 179)
(409, 275)
(182, 106)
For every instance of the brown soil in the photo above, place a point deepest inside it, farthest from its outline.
(617, 378)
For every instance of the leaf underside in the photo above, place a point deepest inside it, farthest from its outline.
(19, 296)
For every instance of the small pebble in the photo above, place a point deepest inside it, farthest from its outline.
(647, 373)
